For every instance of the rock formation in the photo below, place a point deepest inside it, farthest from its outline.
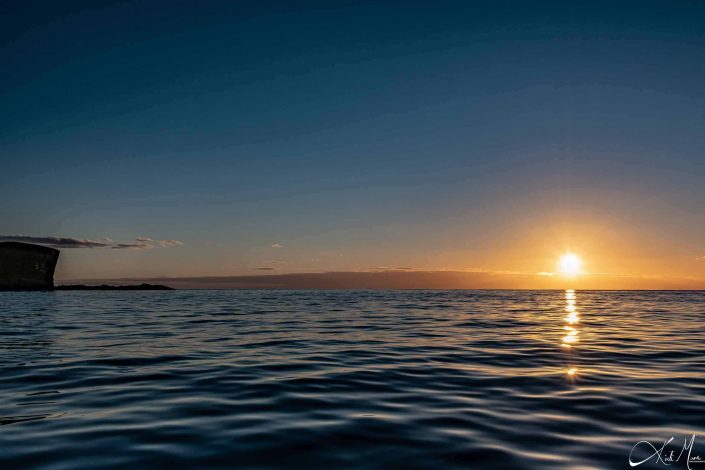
(24, 266)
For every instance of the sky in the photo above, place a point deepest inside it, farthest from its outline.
(191, 139)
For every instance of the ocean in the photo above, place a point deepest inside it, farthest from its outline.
(352, 379)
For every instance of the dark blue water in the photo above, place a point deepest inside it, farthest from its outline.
(348, 379)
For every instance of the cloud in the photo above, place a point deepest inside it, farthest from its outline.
(166, 243)
(59, 242)
(133, 246)
(387, 268)
(277, 245)
(141, 243)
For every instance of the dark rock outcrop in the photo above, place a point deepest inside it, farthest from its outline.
(24, 266)
(107, 287)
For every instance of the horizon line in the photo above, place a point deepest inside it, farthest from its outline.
(412, 280)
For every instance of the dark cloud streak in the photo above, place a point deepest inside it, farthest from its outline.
(142, 243)
(56, 242)
(132, 246)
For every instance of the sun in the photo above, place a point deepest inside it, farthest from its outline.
(570, 264)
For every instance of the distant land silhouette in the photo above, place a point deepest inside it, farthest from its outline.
(142, 286)
(26, 266)
(409, 279)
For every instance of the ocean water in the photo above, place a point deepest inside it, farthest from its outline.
(350, 379)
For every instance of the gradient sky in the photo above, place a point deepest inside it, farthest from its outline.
(346, 136)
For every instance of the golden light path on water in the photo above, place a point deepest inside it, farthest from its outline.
(571, 337)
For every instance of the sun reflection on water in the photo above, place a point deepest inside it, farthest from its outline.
(571, 319)
(572, 334)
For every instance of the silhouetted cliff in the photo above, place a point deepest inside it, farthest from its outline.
(24, 266)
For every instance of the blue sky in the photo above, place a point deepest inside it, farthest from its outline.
(431, 135)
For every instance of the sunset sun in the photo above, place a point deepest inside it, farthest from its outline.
(570, 264)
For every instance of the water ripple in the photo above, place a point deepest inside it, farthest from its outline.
(347, 379)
